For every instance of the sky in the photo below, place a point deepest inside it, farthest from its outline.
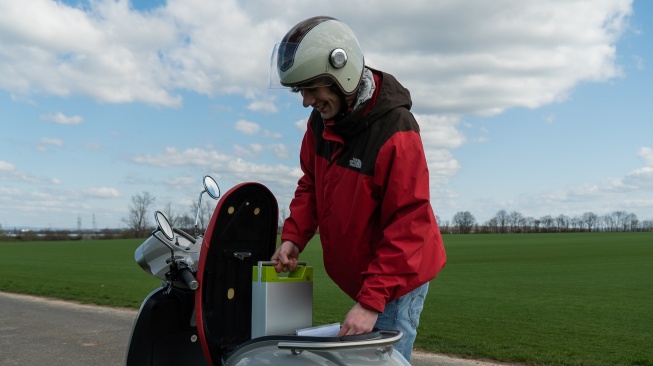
(537, 106)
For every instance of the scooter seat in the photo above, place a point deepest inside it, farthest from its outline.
(242, 232)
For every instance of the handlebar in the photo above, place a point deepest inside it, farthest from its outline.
(190, 280)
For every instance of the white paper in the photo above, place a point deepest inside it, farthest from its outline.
(328, 330)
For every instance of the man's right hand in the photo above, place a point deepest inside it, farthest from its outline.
(286, 257)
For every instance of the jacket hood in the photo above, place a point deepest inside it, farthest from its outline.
(391, 95)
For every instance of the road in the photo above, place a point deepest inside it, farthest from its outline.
(37, 331)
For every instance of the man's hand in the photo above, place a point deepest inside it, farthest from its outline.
(286, 255)
(358, 321)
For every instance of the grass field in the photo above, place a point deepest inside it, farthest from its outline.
(550, 299)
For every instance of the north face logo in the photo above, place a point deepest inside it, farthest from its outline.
(355, 163)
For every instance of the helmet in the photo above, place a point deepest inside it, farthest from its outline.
(318, 51)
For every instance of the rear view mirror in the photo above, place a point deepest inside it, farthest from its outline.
(211, 187)
(164, 224)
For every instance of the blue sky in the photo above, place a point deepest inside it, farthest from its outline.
(539, 107)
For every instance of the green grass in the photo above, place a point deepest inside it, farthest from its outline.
(100, 272)
(552, 299)
(555, 299)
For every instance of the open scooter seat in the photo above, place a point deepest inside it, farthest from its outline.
(242, 232)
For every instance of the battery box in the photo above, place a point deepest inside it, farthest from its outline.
(281, 304)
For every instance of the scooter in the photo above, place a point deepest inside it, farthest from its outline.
(222, 303)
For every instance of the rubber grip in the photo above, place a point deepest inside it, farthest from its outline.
(190, 280)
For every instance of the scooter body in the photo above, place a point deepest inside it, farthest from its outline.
(202, 314)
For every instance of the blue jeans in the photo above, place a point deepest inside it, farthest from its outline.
(403, 315)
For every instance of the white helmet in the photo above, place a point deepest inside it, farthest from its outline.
(318, 51)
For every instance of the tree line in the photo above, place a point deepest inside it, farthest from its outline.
(140, 223)
(140, 218)
(505, 222)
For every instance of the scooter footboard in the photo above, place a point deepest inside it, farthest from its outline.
(165, 321)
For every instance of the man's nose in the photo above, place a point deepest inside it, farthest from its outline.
(307, 99)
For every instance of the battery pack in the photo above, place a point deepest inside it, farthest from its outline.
(281, 304)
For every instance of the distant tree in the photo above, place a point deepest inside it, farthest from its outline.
(464, 222)
(547, 222)
(492, 225)
(282, 218)
(514, 220)
(501, 220)
(528, 225)
(536, 225)
(171, 214)
(619, 220)
(577, 223)
(186, 223)
(646, 225)
(139, 212)
(590, 219)
(562, 222)
(608, 222)
(631, 222)
(444, 226)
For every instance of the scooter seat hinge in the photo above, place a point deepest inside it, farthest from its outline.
(242, 255)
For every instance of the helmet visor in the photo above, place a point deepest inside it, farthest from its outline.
(282, 62)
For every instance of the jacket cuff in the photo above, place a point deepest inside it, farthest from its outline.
(295, 240)
(371, 303)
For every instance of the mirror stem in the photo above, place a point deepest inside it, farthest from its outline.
(197, 215)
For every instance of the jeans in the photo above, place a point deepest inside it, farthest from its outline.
(403, 315)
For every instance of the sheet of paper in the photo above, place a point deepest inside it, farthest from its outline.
(328, 330)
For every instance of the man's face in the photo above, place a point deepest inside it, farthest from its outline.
(323, 99)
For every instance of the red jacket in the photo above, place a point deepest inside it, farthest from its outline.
(366, 186)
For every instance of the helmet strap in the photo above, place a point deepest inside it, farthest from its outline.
(346, 103)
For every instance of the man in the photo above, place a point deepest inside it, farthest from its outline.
(365, 183)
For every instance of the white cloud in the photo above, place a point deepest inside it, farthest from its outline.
(629, 192)
(11, 174)
(639, 179)
(301, 125)
(6, 167)
(646, 155)
(442, 166)
(45, 142)
(247, 127)
(272, 134)
(62, 119)
(455, 57)
(280, 151)
(266, 106)
(231, 167)
(250, 151)
(102, 192)
(180, 181)
(94, 146)
(51, 141)
(440, 131)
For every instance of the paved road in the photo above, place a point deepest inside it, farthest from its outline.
(36, 331)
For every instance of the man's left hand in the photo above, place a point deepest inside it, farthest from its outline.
(358, 321)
